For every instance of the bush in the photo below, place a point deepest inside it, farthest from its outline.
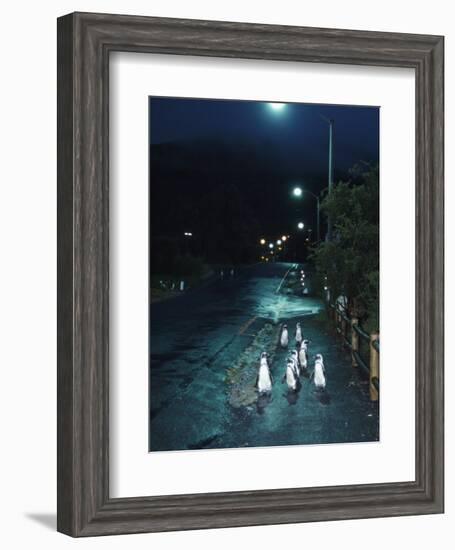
(349, 264)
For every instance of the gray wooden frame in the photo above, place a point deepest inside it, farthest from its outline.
(84, 44)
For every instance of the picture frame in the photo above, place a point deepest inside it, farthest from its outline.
(85, 41)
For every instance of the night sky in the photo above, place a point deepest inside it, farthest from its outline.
(252, 152)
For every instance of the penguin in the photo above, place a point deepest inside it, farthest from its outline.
(303, 354)
(319, 372)
(284, 336)
(295, 358)
(289, 376)
(264, 378)
(298, 334)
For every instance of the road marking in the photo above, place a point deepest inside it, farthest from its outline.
(244, 327)
(284, 278)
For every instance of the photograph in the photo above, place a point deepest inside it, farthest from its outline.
(264, 273)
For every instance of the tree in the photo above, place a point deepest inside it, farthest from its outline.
(349, 264)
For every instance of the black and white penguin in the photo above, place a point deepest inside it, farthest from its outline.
(295, 358)
(303, 354)
(319, 372)
(264, 378)
(289, 376)
(284, 337)
(298, 334)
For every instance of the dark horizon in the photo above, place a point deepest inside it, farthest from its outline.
(299, 131)
(234, 164)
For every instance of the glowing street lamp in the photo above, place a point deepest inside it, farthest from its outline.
(271, 245)
(262, 241)
(277, 107)
(284, 238)
(300, 225)
(297, 192)
(278, 242)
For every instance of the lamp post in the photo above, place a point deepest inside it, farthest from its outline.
(330, 177)
(297, 191)
(318, 233)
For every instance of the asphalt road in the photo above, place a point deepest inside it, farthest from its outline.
(196, 337)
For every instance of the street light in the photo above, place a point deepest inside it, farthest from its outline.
(330, 169)
(284, 238)
(262, 241)
(270, 245)
(277, 106)
(300, 225)
(278, 242)
(297, 192)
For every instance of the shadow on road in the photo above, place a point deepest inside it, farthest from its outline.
(292, 396)
(262, 402)
(322, 396)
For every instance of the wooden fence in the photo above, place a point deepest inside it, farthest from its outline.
(364, 347)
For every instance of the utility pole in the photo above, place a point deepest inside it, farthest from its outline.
(330, 176)
(329, 220)
(318, 212)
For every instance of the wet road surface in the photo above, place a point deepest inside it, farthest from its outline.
(197, 337)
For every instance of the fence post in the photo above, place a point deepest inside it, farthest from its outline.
(354, 340)
(344, 330)
(374, 366)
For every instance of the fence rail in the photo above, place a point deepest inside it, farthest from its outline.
(352, 335)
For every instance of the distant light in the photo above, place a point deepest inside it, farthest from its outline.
(262, 241)
(271, 245)
(278, 242)
(326, 288)
(280, 248)
(277, 106)
(284, 238)
(297, 191)
(300, 225)
(188, 234)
